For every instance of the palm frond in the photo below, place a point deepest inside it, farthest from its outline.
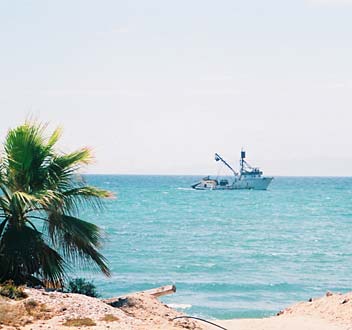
(25, 154)
(2, 225)
(19, 204)
(72, 161)
(52, 265)
(62, 170)
(54, 138)
(23, 252)
(5, 190)
(84, 196)
(48, 199)
(4, 205)
(88, 232)
(89, 191)
(78, 240)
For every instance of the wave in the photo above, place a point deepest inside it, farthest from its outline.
(180, 306)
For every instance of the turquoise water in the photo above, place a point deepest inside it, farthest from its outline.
(229, 253)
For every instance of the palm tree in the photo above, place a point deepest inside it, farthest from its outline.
(41, 236)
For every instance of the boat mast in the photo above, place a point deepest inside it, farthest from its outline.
(218, 157)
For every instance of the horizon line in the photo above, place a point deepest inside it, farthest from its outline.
(173, 174)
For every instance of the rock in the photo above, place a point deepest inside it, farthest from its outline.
(329, 294)
(119, 303)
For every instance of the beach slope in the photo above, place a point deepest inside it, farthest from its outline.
(331, 312)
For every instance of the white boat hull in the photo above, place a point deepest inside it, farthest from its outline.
(241, 183)
(252, 183)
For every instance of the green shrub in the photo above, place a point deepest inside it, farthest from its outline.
(82, 286)
(10, 290)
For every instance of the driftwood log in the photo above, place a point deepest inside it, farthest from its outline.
(161, 291)
(156, 292)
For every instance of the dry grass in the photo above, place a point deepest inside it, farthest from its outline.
(30, 305)
(109, 318)
(18, 314)
(86, 322)
(36, 310)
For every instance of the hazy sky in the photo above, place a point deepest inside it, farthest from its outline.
(158, 86)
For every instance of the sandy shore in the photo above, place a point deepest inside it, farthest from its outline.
(332, 312)
(53, 310)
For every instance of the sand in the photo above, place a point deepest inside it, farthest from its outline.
(332, 312)
(50, 310)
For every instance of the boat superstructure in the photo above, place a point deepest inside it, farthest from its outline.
(248, 177)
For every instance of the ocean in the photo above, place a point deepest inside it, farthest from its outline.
(230, 253)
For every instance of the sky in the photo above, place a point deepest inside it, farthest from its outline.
(157, 86)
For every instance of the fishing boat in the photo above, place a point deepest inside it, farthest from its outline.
(248, 177)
